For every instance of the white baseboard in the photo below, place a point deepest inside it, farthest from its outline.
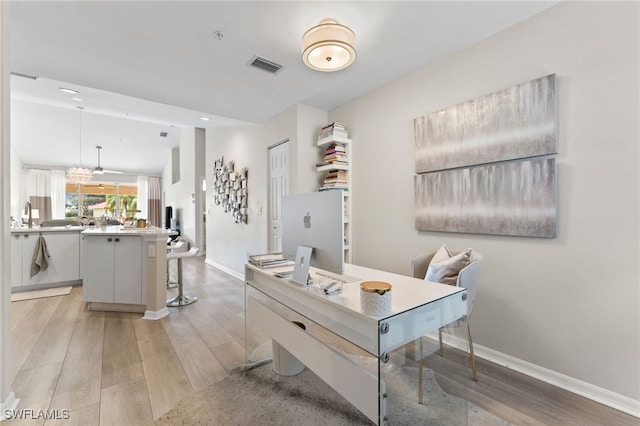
(155, 315)
(10, 404)
(587, 390)
(225, 269)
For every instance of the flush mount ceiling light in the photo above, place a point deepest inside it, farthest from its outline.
(329, 46)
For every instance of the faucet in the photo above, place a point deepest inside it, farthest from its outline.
(27, 210)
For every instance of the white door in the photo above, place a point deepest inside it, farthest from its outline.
(278, 187)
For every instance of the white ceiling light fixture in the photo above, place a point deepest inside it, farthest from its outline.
(80, 174)
(329, 46)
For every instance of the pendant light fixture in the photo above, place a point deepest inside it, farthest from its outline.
(80, 174)
(329, 46)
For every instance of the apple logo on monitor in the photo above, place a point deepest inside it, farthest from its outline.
(307, 221)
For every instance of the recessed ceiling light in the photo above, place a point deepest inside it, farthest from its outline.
(204, 118)
(19, 74)
(64, 89)
(78, 99)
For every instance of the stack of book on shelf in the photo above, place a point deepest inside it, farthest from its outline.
(269, 260)
(336, 154)
(335, 160)
(334, 129)
(335, 179)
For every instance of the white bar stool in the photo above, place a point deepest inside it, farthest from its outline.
(181, 299)
(175, 247)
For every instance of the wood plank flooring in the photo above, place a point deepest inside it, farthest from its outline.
(117, 369)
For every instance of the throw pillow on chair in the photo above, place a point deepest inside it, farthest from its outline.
(445, 267)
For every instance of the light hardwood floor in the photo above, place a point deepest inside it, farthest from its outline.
(117, 369)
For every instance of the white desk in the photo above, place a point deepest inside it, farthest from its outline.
(331, 323)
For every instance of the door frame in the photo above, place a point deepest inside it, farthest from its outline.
(269, 210)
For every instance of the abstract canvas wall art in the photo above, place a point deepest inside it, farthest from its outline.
(518, 122)
(513, 198)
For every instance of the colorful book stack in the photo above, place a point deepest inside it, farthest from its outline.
(335, 160)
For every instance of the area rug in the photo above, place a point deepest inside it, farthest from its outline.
(37, 294)
(259, 396)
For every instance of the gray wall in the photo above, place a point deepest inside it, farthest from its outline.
(182, 194)
(228, 244)
(568, 304)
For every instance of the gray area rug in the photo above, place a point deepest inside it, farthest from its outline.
(259, 396)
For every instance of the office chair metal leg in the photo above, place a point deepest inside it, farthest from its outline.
(471, 354)
(420, 389)
(441, 351)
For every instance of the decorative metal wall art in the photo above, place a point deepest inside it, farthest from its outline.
(475, 165)
(230, 189)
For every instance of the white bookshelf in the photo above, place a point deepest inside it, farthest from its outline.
(325, 168)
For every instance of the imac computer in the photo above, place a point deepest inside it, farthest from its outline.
(315, 220)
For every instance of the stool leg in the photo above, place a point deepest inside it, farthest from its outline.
(169, 283)
(181, 299)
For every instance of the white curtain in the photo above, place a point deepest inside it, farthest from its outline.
(58, 194)
(38, 192)
(155, 211)
(143, 197)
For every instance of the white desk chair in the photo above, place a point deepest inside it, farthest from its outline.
(181, 299)
(467, 278)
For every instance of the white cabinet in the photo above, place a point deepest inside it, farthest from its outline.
(113, 269)
(64, 260)
(17, 269)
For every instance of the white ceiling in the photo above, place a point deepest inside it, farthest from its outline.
(145, 66)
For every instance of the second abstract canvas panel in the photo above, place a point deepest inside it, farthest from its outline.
(514, 198)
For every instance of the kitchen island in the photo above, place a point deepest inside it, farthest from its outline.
(124, 269)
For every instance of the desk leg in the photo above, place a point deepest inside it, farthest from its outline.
(420, 378)
(284, 363)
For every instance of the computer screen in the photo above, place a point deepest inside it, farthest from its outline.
(316, 220)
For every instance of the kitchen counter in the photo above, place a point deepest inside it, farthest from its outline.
(39, 229)
(63, 245)
(125, 269)
(123, 230)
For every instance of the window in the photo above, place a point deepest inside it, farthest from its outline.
(98, 199)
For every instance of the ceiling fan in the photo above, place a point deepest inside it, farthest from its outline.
(98, 170)
(100, 186)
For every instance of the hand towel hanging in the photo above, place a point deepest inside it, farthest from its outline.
(40, 260)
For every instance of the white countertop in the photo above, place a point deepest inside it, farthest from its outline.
(123, 230)
(38, 229)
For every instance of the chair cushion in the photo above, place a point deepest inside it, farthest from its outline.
(445, 267)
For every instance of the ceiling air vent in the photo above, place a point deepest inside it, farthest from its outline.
(265, 64)
(163, 134)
